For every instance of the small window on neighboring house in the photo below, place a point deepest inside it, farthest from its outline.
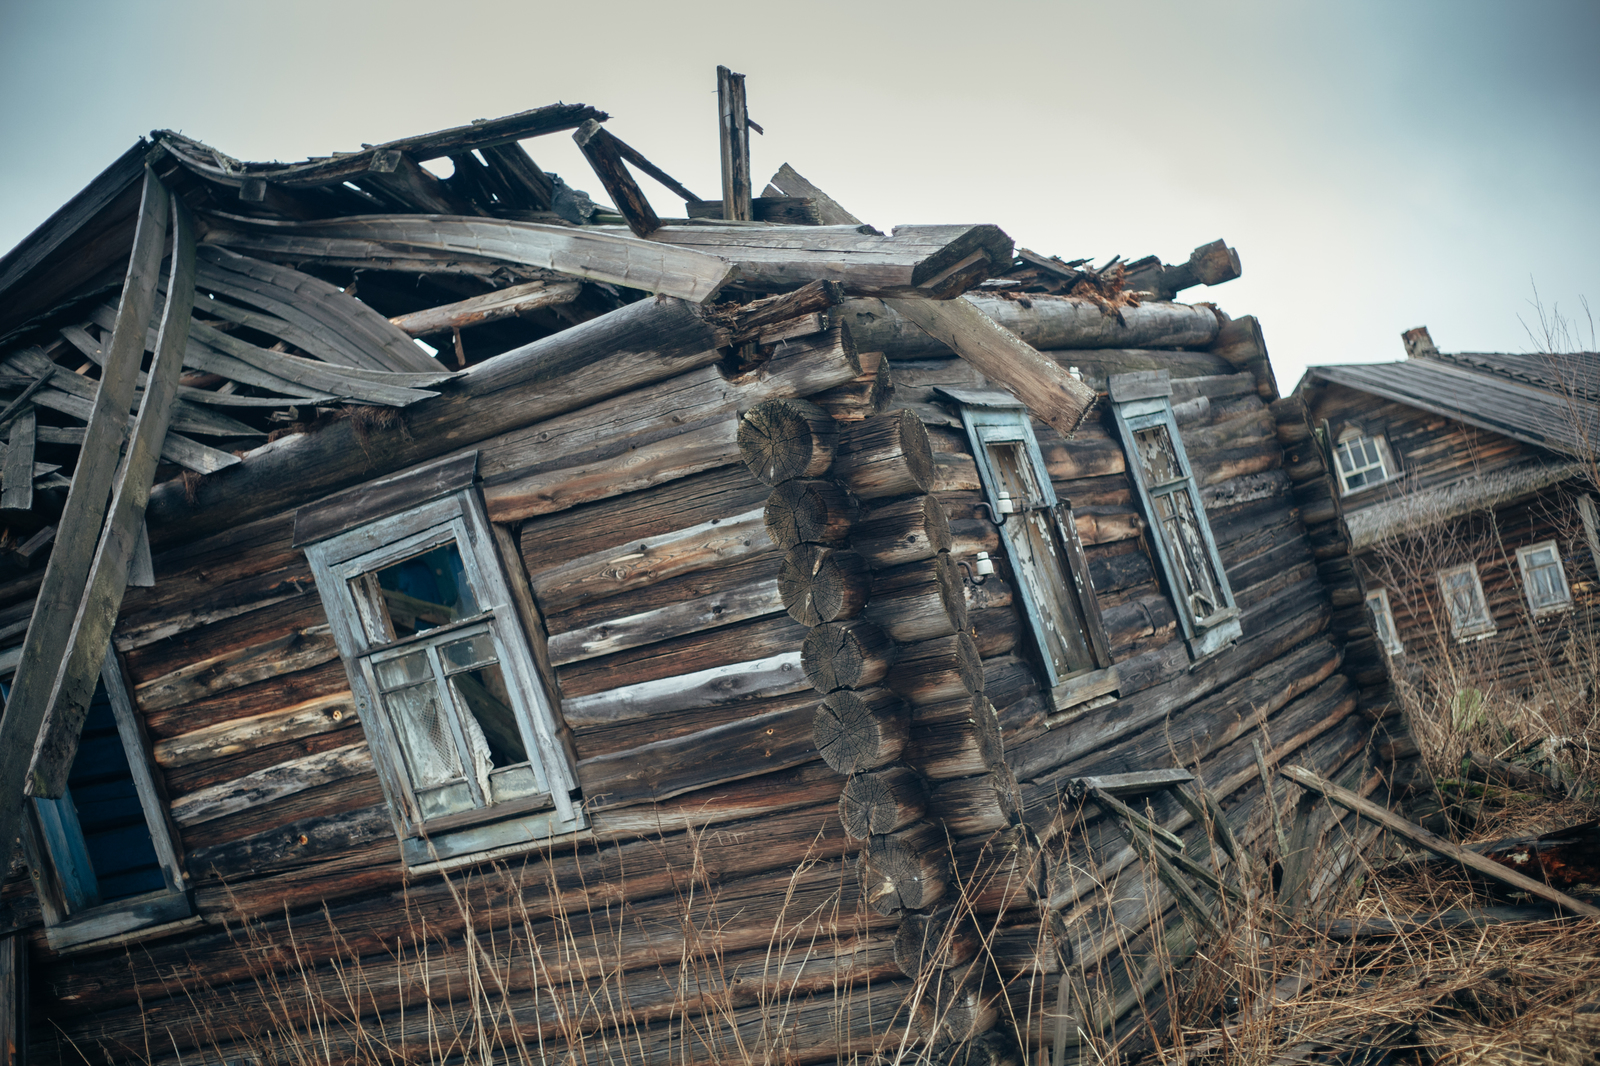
(1042, 546)
(1463, 598)
(1383, 621)
(1543, 578)
(461, 729)
(102, 853)
(1362, 461)
(1184, 545)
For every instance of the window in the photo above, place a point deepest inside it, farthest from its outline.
(102, 854)
(1383, 622)
(1041, 543)
(1362, 461)
(460, 726)
(1543, 578)
(1185, 548)
(1463, 598)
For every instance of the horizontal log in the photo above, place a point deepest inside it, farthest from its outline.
(936, 670)
(271, 783)
(858, 731)
(222, 739)
(887, 455)
(508, 302)
(854, 654)
(1045, 322)
(919, 601)
(774, 675)
(971, 806)
(819, 584)
(996, 632)
(904, 871)
(637, 344)
(881, 802)
(902, 531)
(962, 747)
(809, 511)
(867, 394)
(737, 604)
(761, 638)
(1001, 873)
(651, 559)
(941, 939)
(747, 322)
(214, 674)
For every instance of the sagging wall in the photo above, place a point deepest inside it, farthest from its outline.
(644, 542)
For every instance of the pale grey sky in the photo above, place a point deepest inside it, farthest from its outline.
(1378, 165)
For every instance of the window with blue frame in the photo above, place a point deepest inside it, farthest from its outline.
(1184, 546)
(1041, 543)
(102, 853)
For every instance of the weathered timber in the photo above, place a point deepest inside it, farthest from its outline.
(902, 531)
(955, 1008)
(295, 650)
(748, 322)
(868, 394)
(639, 343)
(958, 747)
(1239, 341)
(854, 654)
(908, 870)
(881, 802)
(937, 669)
(762, 638)
(600, 149)
(920, 600)
(724, 607)
(809, 511)
(969, 806)
(793, 210)
(1050, 392)
(666, 768)
(1044, 322)
(819, 584)
(858, 731)
(222, 739)
(508, 302)
(733, 139)
(887, 455)
(638, 563)
(1001, 872)
(702, 689)
(271, 783)
(937, 940)
(784, 439)
(1434, 843)
(996, 632)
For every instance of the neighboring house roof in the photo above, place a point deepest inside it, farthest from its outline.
(1550, 401)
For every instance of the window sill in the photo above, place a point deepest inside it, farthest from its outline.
(1345, 494)
(475, 844)
(1213, 638)
(136, 918)
(1554, 608)
(1077, 691)
(1475, 634)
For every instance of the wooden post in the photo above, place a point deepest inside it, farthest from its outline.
(67, 573)
(16, 476)
(85, 651)
(734, 136)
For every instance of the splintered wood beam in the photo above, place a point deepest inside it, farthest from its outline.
(549, 119)
(634, 156)
(733, 135)
(78, 533)
(790, 182)
(1419, 836)
(85, 651)
(518, 170)
(583, 252)
(600, 149)
(16, 474)
(1005, 359)
(490, 307)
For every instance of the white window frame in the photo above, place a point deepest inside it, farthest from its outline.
(996, 418)
(1564, 603)
(339, 560)
(1385, 464)
(63, 877)
(1477, 626)
(1143, 401)
(1383, 622)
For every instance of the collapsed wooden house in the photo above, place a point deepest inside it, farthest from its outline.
(1468, 482)
(732, 644)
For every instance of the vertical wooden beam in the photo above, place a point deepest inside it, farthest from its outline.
(600, 149)
(16, 476)
(61, 591)
(734, 130)
(85, 652)
(13, 998)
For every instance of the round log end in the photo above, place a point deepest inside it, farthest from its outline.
(819, 584)
(784, 439)
(853, 654)
(858, 731)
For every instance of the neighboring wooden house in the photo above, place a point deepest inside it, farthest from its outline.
(685, 665)
(1467, 482)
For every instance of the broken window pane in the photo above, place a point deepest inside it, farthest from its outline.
(419, 593)
(1201, 589)
(1158, 457)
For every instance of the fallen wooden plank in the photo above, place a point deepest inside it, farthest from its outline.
(84, 651)
(591, 252)
(1434, 843)
(16, 475)
(490, 307)
(67, 573)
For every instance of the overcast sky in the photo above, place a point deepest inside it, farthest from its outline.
(1378, 165)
